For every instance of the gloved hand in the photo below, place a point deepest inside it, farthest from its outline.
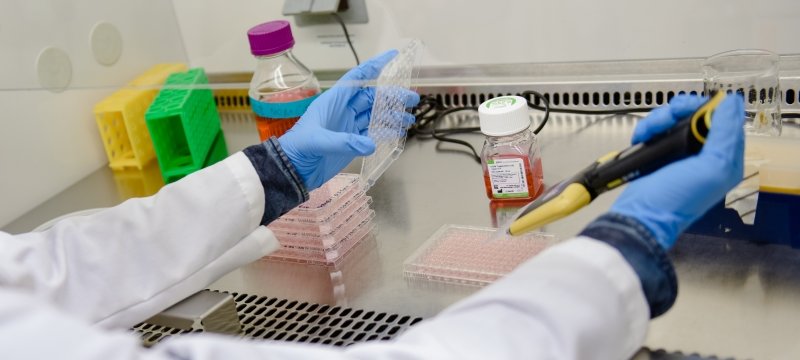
(332, 131)
(672, 198)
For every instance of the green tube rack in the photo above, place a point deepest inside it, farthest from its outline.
(219, 152)
(184, 125)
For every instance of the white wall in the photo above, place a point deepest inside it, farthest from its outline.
(479, 31)
(48, 141)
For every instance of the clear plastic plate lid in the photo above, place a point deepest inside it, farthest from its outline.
(386, 127)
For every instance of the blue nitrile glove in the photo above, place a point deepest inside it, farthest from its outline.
(672, 198)
(332, 132)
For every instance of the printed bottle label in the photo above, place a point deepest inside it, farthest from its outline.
(507, 177)
(281, 110)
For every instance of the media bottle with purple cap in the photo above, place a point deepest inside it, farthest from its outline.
(282, 87)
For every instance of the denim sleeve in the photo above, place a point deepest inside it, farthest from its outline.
(283, 188)
(648, 259)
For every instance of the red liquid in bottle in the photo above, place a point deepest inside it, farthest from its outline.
(268, 127)
(534, 179)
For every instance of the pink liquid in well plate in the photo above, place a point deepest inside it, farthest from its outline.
(462, 254)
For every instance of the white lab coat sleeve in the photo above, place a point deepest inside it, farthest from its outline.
(124, 264)
(578, 300)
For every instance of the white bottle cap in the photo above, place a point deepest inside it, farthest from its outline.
(504, 115)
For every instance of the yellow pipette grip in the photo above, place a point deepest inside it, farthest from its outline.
(572, 198)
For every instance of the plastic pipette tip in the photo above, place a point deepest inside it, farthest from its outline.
(499, 234)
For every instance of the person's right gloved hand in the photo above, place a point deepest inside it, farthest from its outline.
(672, 198)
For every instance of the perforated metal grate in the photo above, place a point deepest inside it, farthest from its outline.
(648, 354)
(269, 318)
(579, 100)
(290, 320)
(575, 85)
(152, 334)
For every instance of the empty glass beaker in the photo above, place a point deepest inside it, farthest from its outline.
(754, 75)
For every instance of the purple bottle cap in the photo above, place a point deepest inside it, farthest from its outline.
(270, 38)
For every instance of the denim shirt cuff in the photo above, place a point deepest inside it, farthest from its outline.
(641, 250)
(283, 188)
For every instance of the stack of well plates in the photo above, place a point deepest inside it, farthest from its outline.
(327, 226)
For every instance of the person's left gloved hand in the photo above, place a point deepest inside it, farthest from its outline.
(672, 198)
(332, 132)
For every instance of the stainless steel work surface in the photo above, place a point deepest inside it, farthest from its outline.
(737, 299)
(420, 192)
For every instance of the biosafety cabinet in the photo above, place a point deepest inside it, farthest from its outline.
(91, 92)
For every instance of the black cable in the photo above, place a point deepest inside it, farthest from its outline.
(347, 36)
(425, 125)
(546, 108)
(429, 112)
(745, 196)
(443, 138)
(748, 177)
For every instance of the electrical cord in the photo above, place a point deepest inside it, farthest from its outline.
(443, 136)
(426, 124)
(428, 114)
(547, 109)
(347, 36)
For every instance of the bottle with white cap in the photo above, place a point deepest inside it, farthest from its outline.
(512, 167)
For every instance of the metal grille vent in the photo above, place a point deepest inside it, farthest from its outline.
(237, 117)
(324, 324)
(590, 99)
(575, 99)
(268, 318)
(152, 334)
(227, 101)
(581, 100)
(607, 85)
